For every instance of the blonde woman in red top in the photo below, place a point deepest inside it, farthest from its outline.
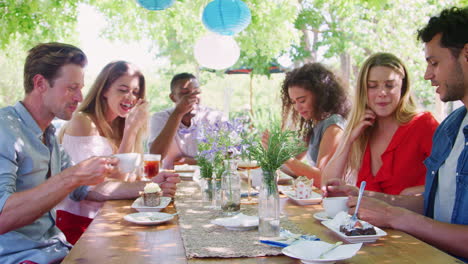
(387, 138)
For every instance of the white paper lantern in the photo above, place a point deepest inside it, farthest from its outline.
(216, 51)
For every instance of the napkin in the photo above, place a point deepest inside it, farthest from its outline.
(287, 238)
(239, 220)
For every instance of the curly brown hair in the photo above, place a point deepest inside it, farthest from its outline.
(330, 96)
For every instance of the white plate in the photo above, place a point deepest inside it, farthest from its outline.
(355, 239)
(239, 222)
(309, 251)
(139, 205)
(285, 188)
(185, 175)
(322, 216)
(148, 218)
(185, 168)
(315, 199)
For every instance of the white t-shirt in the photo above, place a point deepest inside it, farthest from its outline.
(445, 195)
(185, 141)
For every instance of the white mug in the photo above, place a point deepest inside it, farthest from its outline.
(128, 162)
(334, 205)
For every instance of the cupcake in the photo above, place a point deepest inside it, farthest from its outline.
(151, 194)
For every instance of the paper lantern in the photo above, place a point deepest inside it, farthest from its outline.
(156, 4)
(216, 51)
(226, 17)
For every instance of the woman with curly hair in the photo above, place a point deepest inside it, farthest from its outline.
(387, 138)
(314, 103)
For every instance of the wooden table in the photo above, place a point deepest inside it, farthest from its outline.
(111, 239)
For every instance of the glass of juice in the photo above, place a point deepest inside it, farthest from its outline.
(151, 164)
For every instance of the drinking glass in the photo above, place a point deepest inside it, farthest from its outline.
(151, 164)
(248, 165)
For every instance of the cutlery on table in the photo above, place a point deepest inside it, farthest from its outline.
(330, 249)
(361, 192)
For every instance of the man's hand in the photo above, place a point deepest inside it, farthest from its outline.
(167, 181)
(93, 170)
(374, 211)
(337, 187)
(188, 102)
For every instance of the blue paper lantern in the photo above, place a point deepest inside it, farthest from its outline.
(156, 4)
(226, 17)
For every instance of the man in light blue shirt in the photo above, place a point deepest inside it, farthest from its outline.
(35, 173)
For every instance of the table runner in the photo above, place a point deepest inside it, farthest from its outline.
(202, 239)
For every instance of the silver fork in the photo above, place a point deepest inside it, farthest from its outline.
(361, 192)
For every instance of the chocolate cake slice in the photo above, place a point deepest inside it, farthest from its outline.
(357, 229)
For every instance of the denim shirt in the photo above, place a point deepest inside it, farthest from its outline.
(443, 141)
(25, 162)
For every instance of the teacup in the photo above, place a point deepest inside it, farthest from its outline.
(334, 205)
(128, 162)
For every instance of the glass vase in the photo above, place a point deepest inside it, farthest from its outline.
(230, 189)
(216, 193)
(206, 188)
(269, 206)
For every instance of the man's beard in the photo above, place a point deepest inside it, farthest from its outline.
(455, 90)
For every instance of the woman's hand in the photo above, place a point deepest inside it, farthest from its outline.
(337, 187)
(367, 120)
(138, 116)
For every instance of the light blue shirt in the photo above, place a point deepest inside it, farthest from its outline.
(24, 164)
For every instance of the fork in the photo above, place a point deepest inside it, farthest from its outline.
(361, 192)
(330, 249)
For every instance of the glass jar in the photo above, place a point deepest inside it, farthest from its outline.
(206, 187)
(230, 188)
(269, 206)
(216, 192)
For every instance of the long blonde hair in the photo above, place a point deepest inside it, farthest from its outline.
(404, 112)
(95, 104)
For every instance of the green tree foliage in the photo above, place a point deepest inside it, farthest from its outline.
(348, 31)
(341, 33)
(32, 21)
(176, 29)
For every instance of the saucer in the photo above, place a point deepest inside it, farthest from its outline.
(139, 205)
(186, 176)
(314, 199)
(148, 218)
(322, 216)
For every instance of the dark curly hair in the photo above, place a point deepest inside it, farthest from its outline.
(453, 24)
(330, 96)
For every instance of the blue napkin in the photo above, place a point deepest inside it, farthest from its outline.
(252, 193)
(274, 243)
